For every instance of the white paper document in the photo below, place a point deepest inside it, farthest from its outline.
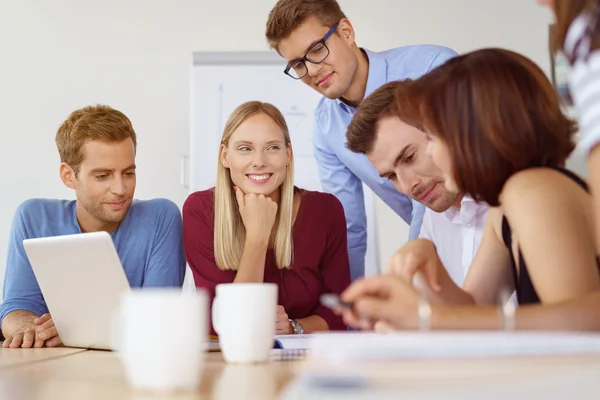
(355, 346)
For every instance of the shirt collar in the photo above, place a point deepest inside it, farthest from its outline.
(376, 77)
(453, 212)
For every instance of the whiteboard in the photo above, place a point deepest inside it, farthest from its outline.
(223, 81)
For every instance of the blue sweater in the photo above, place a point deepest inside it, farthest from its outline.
(148, 241)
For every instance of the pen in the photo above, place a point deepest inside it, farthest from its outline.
(333, 301)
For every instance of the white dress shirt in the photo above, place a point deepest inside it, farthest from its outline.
(456, 235)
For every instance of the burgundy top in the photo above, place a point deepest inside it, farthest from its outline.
(319, 263)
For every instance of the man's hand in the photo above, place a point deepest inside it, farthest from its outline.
(33, 331)
(47, 331)
(25, 336)
(282, 325)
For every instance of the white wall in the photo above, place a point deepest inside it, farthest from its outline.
(135, 55)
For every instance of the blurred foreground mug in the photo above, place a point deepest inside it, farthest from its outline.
(161, 337)
(243, 315)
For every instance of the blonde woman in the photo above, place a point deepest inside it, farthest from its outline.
(256, 226)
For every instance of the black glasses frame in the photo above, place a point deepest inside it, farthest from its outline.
(304, 59)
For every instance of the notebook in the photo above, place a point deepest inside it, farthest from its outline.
(296, 342)
(284, 342)
(367, 346)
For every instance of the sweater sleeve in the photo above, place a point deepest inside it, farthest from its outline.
(335, 267)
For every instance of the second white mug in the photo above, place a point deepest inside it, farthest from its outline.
(243, 315)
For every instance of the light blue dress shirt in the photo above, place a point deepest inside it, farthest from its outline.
(342, 172)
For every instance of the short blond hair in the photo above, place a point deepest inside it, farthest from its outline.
(287, 15)
(97, 122)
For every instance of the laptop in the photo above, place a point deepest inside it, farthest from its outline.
(82, 281)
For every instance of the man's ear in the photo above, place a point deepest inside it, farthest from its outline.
(346, 31)
(67, 175)
(223, 156)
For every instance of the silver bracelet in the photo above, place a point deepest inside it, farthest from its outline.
(424, 311)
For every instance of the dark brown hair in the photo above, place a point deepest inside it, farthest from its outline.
(361, 133)
(287, 15)
(498, 114)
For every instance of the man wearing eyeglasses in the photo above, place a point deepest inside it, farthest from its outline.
(317, 41)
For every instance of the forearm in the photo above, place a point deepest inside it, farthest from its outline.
(579, 315)
(252, 264)
(313, 323)
(17, 320)
(582, 314)
(451, 294)
(594, 182)
(462, 318)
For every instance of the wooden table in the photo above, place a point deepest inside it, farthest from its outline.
(14, 357)
(49, 374)
(99, 375)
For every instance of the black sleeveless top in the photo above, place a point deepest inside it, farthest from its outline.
(526, 293)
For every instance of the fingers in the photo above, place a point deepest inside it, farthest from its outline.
(383, 327)
(372, 308)
(239, 195)
(46, 325)
(282, 327)
(418, 256)
(281, 314)
(17, 340)
(404, 263)
(28, 338)
(38, 343)
(366, 311)
(378, 286)
(54, 342)
(373, 287)
(47, 333)
(394, 264)
(41, 320)
(282, 324)
(352, 318)
(6, 343)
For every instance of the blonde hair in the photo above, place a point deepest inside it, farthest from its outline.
(287, 15)
(97, 122)
(230, 233)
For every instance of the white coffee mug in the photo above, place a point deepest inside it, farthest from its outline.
(161, 338)
(244, 316)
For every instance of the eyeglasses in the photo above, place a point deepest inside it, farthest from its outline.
(316, 54)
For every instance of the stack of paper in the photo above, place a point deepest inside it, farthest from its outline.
(355, 346)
